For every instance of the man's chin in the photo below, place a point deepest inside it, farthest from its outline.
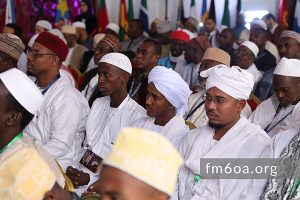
(215, 126)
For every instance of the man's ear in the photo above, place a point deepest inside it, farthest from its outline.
(14, 119)
(241, 104)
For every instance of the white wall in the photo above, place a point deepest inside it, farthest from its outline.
(271, 5)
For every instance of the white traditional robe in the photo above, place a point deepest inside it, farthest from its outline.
(243, 140)
(265, 112)
(59, 124)
(91, 86)
(174, 130)
(256, 73)
(102, 127)
(199, 117)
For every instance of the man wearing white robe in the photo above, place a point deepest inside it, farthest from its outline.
(108, 115)
(166, 98)
(59, 124)
(195, 112)
(228, 135)
(274, 114)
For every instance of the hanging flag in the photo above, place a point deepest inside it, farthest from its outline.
(144, 15)
(102, 15)
(204, 13)
(283, 13)
(62, 10)
(193, 9)
(10, 12)
(123, 21)
(226, 15)
(296, 25)
(130, 11)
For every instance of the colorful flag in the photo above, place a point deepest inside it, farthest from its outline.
(62, 10)
(283, 13)
(144, 15)
(10, 12)
(204, 13)
(102, 15)
(226, 15)
(130, 10)
(123, 21)
(296, 25)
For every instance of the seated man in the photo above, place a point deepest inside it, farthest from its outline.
(167, 96)
(274, 113)
(227, 135)
(108, 115)
(193, 56)
(59, 124)
(142, 165)
(245, 57)
(195, 111)
(19, 101)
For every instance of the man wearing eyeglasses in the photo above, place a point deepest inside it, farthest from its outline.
(59, 124)
(195, 111)
(227, 135)
(11, 48)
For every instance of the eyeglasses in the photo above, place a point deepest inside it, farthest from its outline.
(35, 53)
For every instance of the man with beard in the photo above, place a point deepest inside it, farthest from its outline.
(227, 135)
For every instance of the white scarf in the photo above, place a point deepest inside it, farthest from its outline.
(177, 59)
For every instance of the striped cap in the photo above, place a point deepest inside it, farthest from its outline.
(11, 45)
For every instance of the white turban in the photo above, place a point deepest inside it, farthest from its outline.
(170, 84)
(234, 81)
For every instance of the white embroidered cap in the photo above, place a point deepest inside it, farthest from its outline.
(288, 67)
(147, 156)
(118, 60)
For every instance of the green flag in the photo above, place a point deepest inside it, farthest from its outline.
(130, 10)
(226, 15)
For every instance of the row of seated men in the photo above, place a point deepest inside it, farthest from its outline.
(53, 113)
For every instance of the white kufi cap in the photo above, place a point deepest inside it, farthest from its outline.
(22, 89)
(288, 67)
(119, 60)
(45, 24)
(252, 46)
